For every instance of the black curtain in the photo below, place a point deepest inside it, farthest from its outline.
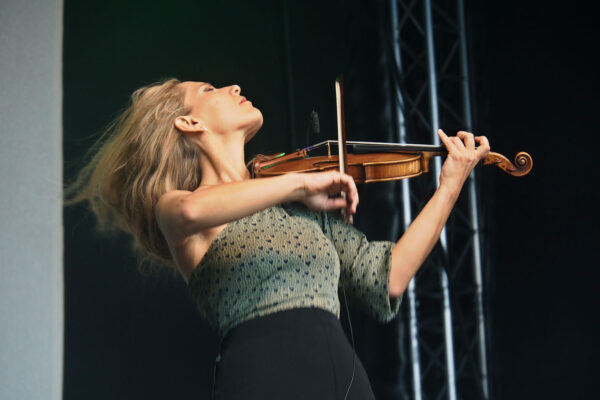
(130, 335)
(133, 336)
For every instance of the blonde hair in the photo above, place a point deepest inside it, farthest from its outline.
(140, 156)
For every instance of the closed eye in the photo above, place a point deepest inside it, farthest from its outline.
(207, 87)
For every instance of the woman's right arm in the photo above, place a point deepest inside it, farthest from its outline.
(181, 214)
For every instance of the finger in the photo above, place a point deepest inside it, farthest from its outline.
(450, 146)
(484, 146)
(467, 138)
(334, 184)
(355, 200)
(352, 199)
(457, 142)
(334, 203)
(345, 182)
(482, 141)
(351, 193)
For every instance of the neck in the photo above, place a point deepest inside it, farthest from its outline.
(223, 159)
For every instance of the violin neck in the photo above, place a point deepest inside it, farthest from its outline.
(378, 147)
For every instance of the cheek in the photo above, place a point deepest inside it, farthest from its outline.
(219, 116)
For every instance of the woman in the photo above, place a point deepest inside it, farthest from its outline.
(263, 258)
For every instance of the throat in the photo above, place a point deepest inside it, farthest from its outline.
(223, 164)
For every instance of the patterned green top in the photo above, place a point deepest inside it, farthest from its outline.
(279, 259)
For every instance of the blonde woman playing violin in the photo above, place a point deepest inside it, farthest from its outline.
(263, 258)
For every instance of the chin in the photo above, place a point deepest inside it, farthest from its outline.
(254, 126)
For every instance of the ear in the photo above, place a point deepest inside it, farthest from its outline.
(189, 124)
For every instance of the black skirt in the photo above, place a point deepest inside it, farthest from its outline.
(296, 354)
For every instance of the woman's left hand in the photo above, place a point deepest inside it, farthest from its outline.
(462, 157)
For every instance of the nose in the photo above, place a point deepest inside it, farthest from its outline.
(235, 89)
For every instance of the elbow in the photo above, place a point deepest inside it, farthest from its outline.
(396, 290)
(189, 217)
(397, 282)
(178, 218)
(187, 212)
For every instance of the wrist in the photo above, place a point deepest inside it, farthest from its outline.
(449, 192)
(295, 182)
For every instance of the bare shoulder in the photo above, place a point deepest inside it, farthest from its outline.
(166, 201)
(166, 212)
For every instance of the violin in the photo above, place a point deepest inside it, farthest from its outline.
(375, 162)
(371, 161)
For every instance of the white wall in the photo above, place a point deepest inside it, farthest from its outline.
(31, 236)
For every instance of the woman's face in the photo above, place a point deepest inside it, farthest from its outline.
(222, 110)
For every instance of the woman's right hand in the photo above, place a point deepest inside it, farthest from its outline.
(321, 192)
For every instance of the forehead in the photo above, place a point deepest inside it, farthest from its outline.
(191, 88)
(191, 85)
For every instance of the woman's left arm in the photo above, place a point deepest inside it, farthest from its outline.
(417, 242)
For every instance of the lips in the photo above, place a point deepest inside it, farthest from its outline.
(243, 100)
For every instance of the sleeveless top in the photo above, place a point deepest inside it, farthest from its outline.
(284, 258)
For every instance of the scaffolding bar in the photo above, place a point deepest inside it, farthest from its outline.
(406, 212)
(437, 167)
(431, 69)
(474, 216)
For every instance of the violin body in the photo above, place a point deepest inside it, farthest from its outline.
(364, 168)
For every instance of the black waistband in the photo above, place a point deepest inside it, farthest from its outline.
(294, 320)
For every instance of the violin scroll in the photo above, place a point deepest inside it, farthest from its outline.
(522, 166)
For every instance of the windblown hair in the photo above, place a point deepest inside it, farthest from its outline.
(140, 156)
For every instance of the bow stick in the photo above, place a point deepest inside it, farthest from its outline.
(341, 128)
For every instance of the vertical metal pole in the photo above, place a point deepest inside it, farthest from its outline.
(477, 267)
(412, 304)
(412, 297)
(289, 74)
(451, 376)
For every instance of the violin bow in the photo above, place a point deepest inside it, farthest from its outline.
(341, 128)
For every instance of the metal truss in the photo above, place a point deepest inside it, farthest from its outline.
(445, 300)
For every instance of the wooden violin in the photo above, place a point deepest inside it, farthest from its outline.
(371, 161)
(375, 162)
